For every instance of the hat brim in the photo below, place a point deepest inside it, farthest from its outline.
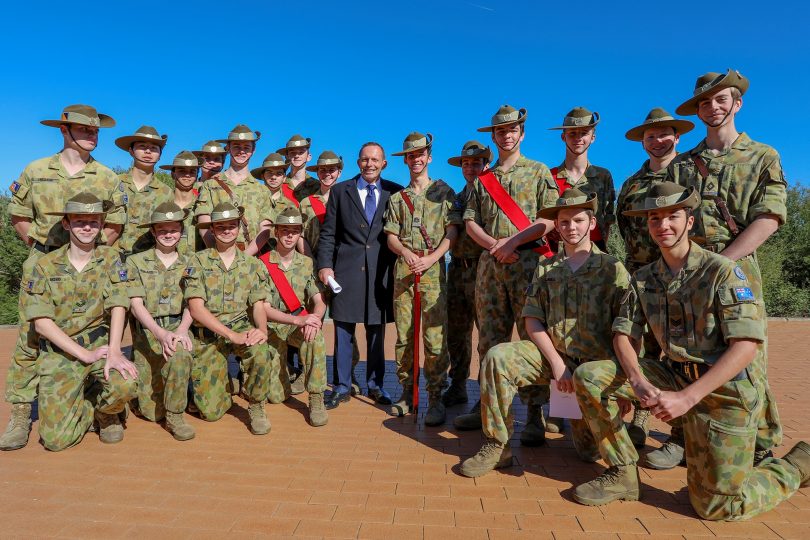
(258, 172)
(207, 224)
(172, 167)
(680, 127)
(731, 78)
(592, 124)
(487, 156)
(200, 153)
(186, 212)
(104, 120)
(691, 200)
(106, 206)
(126, 142)
(521, 119)
(552, 211)
(314, 168)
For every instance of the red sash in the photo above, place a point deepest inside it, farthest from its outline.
(562, 185)
(283, 286)
(287, 191)
(196, 192)
(318, 207)
(509, 207)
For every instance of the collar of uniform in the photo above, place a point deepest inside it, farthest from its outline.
(694, 261)
(275, 258)
(213, 255)
(431, 185)
(248, 179)
(153, 182)
(594, 260)
(64, 260)
(56, 164)
(742, 142)
(151, 256)
(562, 172)
(522, 161)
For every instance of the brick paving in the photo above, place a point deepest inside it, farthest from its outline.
(365, 475)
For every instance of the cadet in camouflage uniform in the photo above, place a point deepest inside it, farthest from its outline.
(271, 173)
(569, 312)
(162, 345)
(77, 301)
(711, 326)
(745, 177)
(220, 285)
(245, 190)
(297, 154)
(295, 326)
(43, 187)
(184, 170)
(211, 158)
(420, 233)
(506, 266)
(578, 134)
(461, 279)
(142, 190)
(659, 135)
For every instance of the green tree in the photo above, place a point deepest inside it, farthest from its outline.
(13, 253)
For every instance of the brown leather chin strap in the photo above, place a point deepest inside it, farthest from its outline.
(72, 138)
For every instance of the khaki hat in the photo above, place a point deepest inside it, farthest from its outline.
(211, 147)
(296, 141)
(709, 83)
(84, 203)
(183, 159)
(579, 117)
(656, 118)
(472, 149)
(570, 199)
(83, 115)
(241, 133)
(272, 161)
(505, 116)
(413, 142)
(327, 158)
(289, 216)
(143, 134)
(666, 196)
(224, 211)
(166, 212)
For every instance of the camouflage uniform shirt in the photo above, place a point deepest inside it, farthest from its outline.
(250, 194)
(300, 274)
(310, 186)
(465, 247)
(157, 285)
(641, 249)
(596, 180)
(45, 185)
(139, 209)
(312, 225)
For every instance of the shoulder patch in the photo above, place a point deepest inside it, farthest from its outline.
(14, 187)
(121, 187)
(457, 204)
(123, 275)
(188, 272)
(30, 285)
(743, 294)
(739, 273)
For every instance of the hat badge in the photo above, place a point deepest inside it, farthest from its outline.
(169, 214)
(226, 213)
(563, 202)
(661, 201)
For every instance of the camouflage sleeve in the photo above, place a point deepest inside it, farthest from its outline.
(204, 205)
(452, 212)
(741, 313)
(770, 197)
(547, 193)
(610, 200)
(313, 287)
(116, 289)
(118, 215)
(258, 289)
(472, 206)
(391, 217)
(135, 287)
(37, 290)
(622, 285)
(534, 306)
(630, 321)
(192, 282)
(21, 204)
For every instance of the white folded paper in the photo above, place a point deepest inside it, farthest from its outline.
(334, 285)
(562, 405)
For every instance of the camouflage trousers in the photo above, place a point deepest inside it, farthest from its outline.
(162, 384)
(69, 393)
(461, 303)
(500, 293)
(505, 369)
(720, 433)
(209, 374)
(311, 354)
(22, 378)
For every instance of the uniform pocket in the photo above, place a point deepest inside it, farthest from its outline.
(728, 458)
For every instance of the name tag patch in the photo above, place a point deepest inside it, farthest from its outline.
(743, 294)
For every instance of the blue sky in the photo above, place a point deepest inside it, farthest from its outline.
(343, 73)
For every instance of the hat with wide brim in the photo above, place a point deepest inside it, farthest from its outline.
(709, 83)
(327, 159)
(659, 118)
(414, 142)
(577, 118)
(506, 116)
(666, 196)
(146, 134)
(82, 115)
(296, 141)
(166, 212)
(211, 147)
(289, 217)
(272, 161)
(241, 133)
(571, 199)
(472, 149)
(224, 211)
(183, 159)
(84, 203)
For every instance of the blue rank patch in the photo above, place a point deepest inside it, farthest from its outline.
(121, 187)
(14, 187)
(739, 273)
(457, 204)
(122, 275)
(743, 294)
(30, 285)
(189, 272)
(126, 198)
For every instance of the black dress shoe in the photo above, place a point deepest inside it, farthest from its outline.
(380, 396)
(333, 399)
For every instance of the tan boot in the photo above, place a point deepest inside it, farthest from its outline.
(471, 420)
(176, 425)
(259, 424)
(554, 425)
(404, 404)
(317, 411)
(799, 457)
(18, 428)
(299, 385)
(639, 428)
(455, 395)
(493, 455)
(619, 482)
(436, 413)
(670, 455)
(110, 430)
(533, 434)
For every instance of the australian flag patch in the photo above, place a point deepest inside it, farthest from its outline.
(122, 275)
(743, 294)
(188, 272)
(14, 187)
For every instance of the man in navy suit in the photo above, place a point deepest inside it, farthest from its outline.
(353, 250)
